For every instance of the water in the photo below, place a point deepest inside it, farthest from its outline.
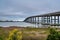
(22, 24)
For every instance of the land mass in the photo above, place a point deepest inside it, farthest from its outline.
(9, 21)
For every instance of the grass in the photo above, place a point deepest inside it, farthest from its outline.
(35, 33)
(28, 33)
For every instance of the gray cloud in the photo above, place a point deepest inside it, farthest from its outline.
(25, 8)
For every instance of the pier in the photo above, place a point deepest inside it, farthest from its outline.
(49, 19)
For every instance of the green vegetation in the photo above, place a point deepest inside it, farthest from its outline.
(54, 35)
(15, 35)
(29, 33)
(3, 34)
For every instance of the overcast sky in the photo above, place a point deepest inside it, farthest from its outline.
(20, 9)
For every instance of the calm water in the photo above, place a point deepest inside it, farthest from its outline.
(22, 24)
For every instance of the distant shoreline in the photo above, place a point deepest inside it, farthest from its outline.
(11, 21)
(10, 26)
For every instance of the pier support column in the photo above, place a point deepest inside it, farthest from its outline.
(41, 20)
(38, 22)
(31, 19)
(35, 22)
(58, 19)
(58, 22)
(47, 19)
(51, 19)
(54, 19)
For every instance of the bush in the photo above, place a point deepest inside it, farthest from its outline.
(1, 38)
(54, 35)
(2, 34)
(15, 35)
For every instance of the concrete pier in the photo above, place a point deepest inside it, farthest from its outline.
(52, 19)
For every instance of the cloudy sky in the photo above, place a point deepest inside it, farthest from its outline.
(20, 9)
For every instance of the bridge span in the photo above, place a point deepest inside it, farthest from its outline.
(49, 19)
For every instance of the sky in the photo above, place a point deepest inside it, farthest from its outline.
(21, 9)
